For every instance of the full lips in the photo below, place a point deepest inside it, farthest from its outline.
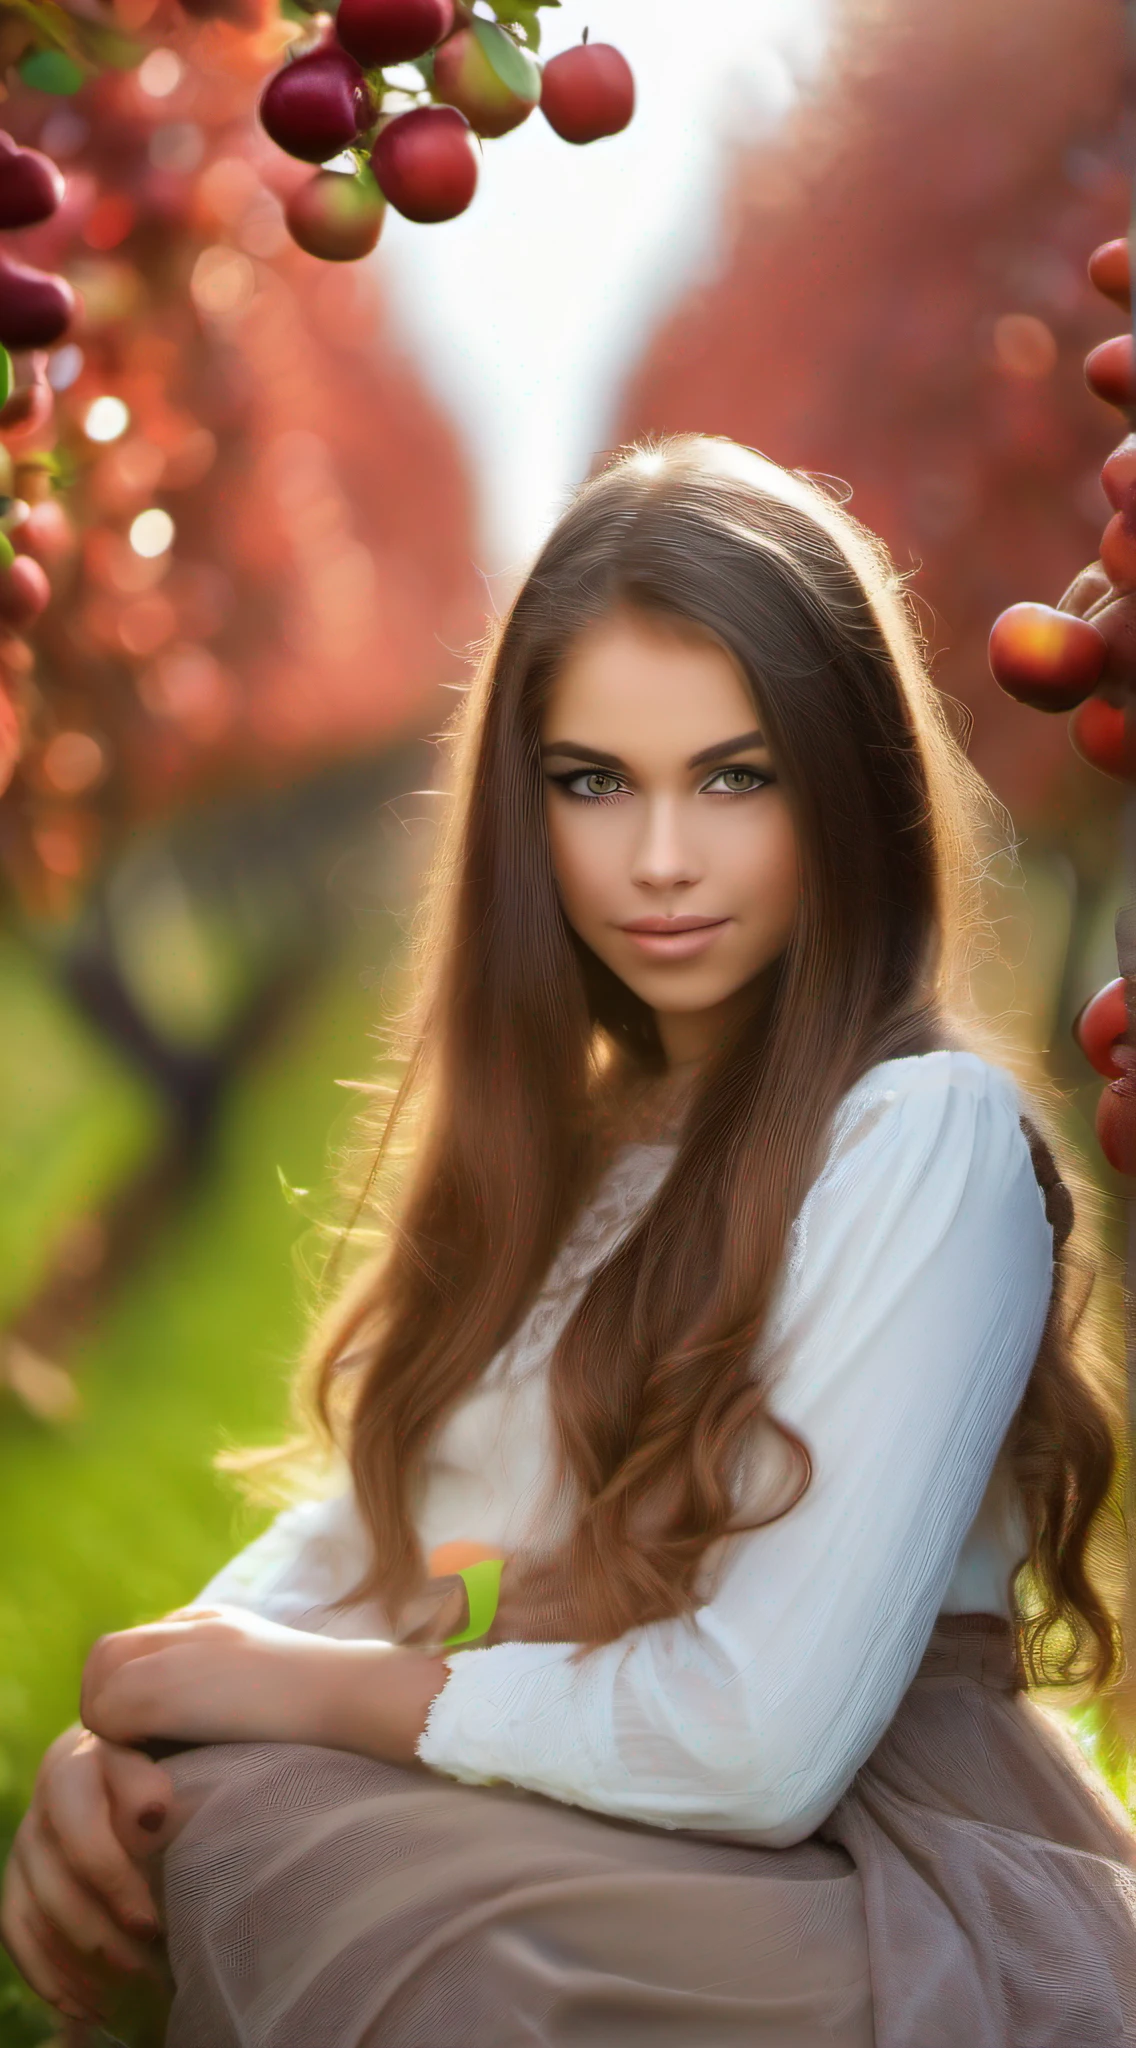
(676, 945)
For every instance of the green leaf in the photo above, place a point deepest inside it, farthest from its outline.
(107, 47)
(426, 66)
(7, 552)
(52, 71)
(5, 375)
(514, 66)
(521, 14)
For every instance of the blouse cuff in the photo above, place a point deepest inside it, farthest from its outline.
(501, 1709)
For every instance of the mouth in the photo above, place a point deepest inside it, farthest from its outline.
(673, 938)
(667, 925)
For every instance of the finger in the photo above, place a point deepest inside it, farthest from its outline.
(75, 1809)
(78, 1916)
(135, 1702)
(1109, 271)
(37, 1955)
(141, 1798)
(109, 1653)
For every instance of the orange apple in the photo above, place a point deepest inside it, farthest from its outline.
(1045, 658)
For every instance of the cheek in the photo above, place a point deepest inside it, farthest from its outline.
(578, 863)
(766, 865)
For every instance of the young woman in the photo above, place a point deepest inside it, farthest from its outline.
(729, 1292)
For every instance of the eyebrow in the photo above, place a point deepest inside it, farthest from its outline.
(573, 750)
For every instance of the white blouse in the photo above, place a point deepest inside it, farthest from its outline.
(904, 1329)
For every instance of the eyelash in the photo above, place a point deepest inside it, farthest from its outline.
(608, 796)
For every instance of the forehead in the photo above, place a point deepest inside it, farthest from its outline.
(628, 682)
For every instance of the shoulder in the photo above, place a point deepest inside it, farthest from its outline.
(927, 1180)
(928, 1099)
(919, 1138)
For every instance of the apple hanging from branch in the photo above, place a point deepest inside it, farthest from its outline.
(480, 79)
(588, 92)
(426, 163)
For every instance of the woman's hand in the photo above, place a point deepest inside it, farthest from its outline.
(77, 1910)
(217, 1674)
(213, 1674)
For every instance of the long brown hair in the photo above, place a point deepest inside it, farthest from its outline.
(657, 1382)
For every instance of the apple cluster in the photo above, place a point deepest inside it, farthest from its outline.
(418, 150)
(35, 307)
(35, 310)
(1080, 657)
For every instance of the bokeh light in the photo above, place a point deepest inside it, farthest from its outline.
(106, 419)
(152, 532)
(160, 74)
(64, 366)
(223, 281)
(73, 762)
(1024, 345)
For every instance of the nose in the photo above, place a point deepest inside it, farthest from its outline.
(663, 857)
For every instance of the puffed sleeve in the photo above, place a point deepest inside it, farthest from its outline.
(302, 1564)
(910, 1318)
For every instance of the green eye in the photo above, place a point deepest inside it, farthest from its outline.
(756, 780)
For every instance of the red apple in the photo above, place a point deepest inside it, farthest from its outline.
(1097, 730)
(1116, 1126)
(24, 591)
(31, 186)
(336, 217)
(464, 78)
(1118, 553)
(1045, 658)
(28, 408)
(35, 306)
(426, 163)
(9, 739)
(317, 105)
(1099, 1028)
(47, 533)
(1108, 270)
(391, 31)
(588, 92)
(1118, 477)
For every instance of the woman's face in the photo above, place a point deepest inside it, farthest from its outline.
(664, 809)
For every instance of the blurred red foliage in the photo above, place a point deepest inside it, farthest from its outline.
(903, 303)
(303, 580)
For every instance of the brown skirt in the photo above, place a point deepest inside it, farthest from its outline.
(974, 1888)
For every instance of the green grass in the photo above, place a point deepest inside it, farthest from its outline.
(76, 1122)
(118, 1516)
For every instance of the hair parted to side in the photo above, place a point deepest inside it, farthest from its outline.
(657, 1383)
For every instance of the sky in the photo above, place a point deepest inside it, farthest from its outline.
(526, 311)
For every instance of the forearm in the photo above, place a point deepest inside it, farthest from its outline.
(378, 1699)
